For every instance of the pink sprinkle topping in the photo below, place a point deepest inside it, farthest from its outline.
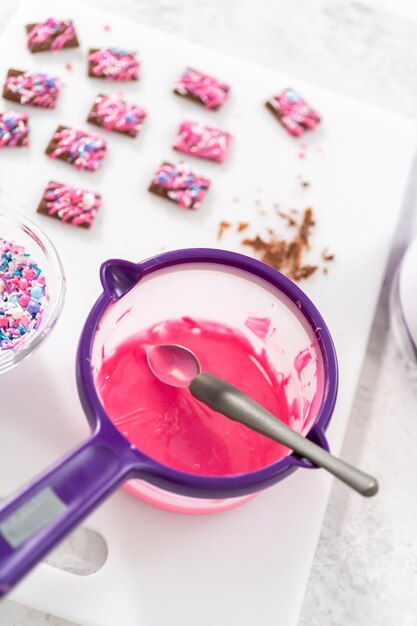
(34, 88)
(84, 150)
(68, 66)
(202, 141)
(71, 204)
(113, 64)
(114, 113)
(293, 112)
(181, 184)
(211, 92)
(107, 28)
(14, 129)
(58, 31)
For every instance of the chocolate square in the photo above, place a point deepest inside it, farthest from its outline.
(202, 141)
(115, 114)
(113, 64)
(207, 90)
(52, 34)
(80, 148)
(71, 205)
(180, 184)
(293, 112)
(33, 88)
(14, 129)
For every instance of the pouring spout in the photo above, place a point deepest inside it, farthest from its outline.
(119, 276)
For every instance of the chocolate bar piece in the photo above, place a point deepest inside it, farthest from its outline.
(205, 89)
(80, 148)
(71, 205)
(52, 34)
(202, 141)
(294, 113)
(115, 114)
(113, 64)
(180, 184)
(34, 88)
(14, 129)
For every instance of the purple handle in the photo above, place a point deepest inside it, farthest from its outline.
(34, 521)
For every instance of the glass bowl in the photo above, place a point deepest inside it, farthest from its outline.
(17, 228)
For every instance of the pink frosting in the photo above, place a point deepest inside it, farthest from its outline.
(72, 204)
(202, 141)
(59, 31)
(294, 113)
(182, 184)
(84, 150)
(114, 64)
(35, 88)
(14, 129)
(211, 91)
(116, 114)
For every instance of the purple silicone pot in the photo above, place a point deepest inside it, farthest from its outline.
(202, 283)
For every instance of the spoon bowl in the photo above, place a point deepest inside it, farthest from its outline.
(173, 365)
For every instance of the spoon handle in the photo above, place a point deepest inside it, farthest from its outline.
(229, 401)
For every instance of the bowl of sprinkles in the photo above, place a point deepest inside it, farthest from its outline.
(32, 288)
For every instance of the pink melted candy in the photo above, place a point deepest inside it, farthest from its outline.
(174, 428)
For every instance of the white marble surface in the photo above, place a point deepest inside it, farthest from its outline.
(365, 569)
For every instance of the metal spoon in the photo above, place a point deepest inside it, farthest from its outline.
(179, 367)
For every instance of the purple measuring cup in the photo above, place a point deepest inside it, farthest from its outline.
(35, 519)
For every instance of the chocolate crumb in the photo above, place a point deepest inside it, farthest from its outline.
(287, 256)
(235, 199)
(305, 183)
(327, 256)
(242, 226)
(222, 228)
(290, 220)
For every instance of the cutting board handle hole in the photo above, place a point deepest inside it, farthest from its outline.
(83, 552)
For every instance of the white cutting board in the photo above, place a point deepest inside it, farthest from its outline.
(249, 565)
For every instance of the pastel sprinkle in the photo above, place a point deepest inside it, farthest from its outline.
(22, 292)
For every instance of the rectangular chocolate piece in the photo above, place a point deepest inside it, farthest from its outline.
(207, 90)
(71, 205)
(34, 88)
(80, 148)
(115, 114)
(51, 34)
(113, 64)
(293, 112)
(202, 141)
(14, 129)
(180, 184)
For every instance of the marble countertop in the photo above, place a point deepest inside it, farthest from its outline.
(365, 568)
